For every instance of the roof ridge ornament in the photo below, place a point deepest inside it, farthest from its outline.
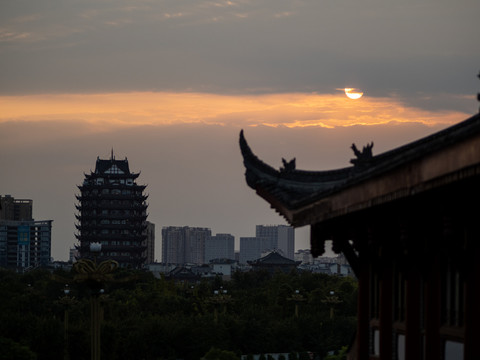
(364, 157)
(288, 166)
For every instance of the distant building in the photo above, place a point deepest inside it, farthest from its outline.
(220, 246)
(282, 237)
(74, 254)
(24, 242)
(183, 244)
(15, 209)
(304, 255)
(274, 262)
(113, 212)
(268, 238)
(183, 274)
(222, 266)
(251, 248)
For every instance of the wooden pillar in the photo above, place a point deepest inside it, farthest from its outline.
(432, 310)
(363, 322)
(472, 308)
(413, 345)
(386, 315)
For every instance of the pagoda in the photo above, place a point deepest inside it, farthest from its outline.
(112, 211)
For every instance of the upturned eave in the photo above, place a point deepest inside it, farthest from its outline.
(308, 197)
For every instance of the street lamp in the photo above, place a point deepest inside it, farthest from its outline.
(94, 276)
(67, 301)
(220, 297)
(297, 298)
(332, 299)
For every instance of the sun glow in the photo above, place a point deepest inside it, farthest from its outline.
(101, 112)
(353, 93)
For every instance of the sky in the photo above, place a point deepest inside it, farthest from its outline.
(170, 84)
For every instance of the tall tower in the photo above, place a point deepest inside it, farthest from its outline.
(112, 211)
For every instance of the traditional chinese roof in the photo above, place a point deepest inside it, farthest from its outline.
(112, 168)
(306, 197)
(102, 166)
(274, 259)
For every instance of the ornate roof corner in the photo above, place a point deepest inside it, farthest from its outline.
(285, 189)
(255, 168)
(305, 197)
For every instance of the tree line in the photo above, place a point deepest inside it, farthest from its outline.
(144, 317)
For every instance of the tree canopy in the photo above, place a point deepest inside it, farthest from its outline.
(149, 318)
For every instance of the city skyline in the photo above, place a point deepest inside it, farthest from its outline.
(171, 84)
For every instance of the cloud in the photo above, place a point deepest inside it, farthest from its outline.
(232, 47)
(102, 111)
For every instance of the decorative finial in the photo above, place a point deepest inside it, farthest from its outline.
(288, 166)
(364, 157)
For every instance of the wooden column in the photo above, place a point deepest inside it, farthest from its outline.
(413, 346)
(363, 322)
(386, 315)
(432, 310)
(472, 300)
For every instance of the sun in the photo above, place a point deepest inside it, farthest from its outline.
(353, 93)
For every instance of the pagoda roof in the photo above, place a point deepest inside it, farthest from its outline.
(103, 166)
(306, 197)
(274, 259)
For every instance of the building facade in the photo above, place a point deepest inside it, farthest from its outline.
(112, 211)
(15, 209)
(184, 244)
(251, 248)
(24, 242)
(220, 246)
(282, 237)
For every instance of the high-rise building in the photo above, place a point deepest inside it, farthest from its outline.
(183, 244)
(251, 248)
(15, 209)
(282, 237)
(112, 211)
(24, 242)
(220, 246)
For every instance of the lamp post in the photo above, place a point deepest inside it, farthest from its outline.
(297, 298)
(332, 299)
(95, 276)
(67, 301)
(220, 297)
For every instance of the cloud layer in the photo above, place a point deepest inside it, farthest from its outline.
(227, 47)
